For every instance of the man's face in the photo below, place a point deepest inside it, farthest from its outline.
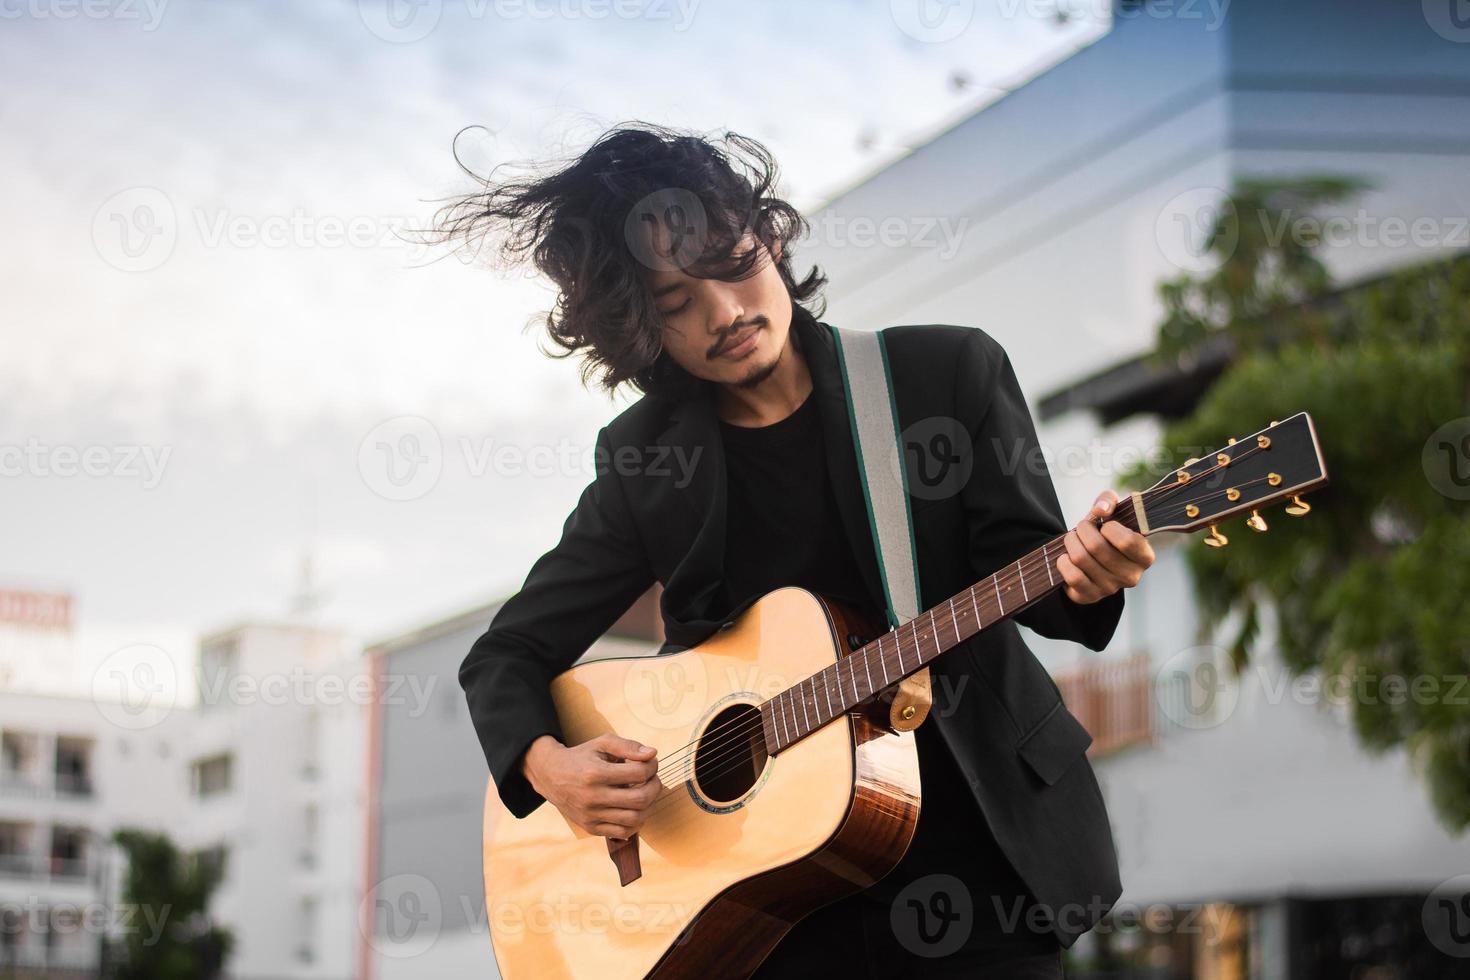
(730, 332)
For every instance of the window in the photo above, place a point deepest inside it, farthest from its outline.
(211, 776)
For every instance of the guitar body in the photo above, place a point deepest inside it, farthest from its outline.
(732, 858)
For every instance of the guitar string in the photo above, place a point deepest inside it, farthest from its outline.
(681, 755)
(1027, 565)
(730, 744)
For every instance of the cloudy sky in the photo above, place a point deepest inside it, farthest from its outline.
(214, 345)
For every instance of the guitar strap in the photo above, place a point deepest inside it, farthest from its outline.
(872, 411)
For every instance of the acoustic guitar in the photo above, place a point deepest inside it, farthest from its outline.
(787, 786)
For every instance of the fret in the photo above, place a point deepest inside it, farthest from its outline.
(798, 726)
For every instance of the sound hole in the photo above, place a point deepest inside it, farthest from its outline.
(731, 754)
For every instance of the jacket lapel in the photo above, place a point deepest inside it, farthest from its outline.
(694, 427)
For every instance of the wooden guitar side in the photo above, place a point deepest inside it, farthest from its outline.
(722, 881)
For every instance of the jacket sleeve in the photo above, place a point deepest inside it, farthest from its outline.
(1010, 503)
(570, 597)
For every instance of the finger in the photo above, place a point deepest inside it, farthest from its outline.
(623, 748)
(627, 819)
(1078, 589)
(624, 773)
(612, 830)
(1103, 506)
(1114, 564)
(1131, 544)
(628, 798)
(1083, 558)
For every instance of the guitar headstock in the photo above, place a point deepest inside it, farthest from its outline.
(1281, 461)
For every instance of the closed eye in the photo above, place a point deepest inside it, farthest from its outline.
(680, 309)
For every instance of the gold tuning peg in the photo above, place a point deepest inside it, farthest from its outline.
(1298, 507)
(1215, 539)
(1256, 522)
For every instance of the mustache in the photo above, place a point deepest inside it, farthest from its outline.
(724, 343)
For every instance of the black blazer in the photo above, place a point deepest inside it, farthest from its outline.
(656, 511)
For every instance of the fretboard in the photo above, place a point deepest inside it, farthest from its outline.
(833, 691)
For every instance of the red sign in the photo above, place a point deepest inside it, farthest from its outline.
(35, 608)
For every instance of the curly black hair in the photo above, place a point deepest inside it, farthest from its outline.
(582, 226)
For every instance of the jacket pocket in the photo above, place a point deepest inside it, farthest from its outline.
(1054, 744)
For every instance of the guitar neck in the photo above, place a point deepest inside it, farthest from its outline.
(833, 691)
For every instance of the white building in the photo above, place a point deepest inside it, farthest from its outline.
(276, 762)
(69, 777)
(262, 767)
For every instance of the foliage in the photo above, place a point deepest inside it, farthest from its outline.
(173, 889)
(1369, 587)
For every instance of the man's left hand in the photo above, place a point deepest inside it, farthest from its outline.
(1100, 561)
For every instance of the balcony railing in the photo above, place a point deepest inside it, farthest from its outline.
(73, 784)
(1114, 702)
(43, 866)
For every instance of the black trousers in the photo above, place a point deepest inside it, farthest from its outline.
(857, 938)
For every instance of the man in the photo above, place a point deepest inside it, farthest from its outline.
(675, 275)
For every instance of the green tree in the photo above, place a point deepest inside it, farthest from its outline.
(174, 889)
(1369, 588)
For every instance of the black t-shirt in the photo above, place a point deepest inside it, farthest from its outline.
(783, 528)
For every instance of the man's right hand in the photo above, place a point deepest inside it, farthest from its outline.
(605, 785)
